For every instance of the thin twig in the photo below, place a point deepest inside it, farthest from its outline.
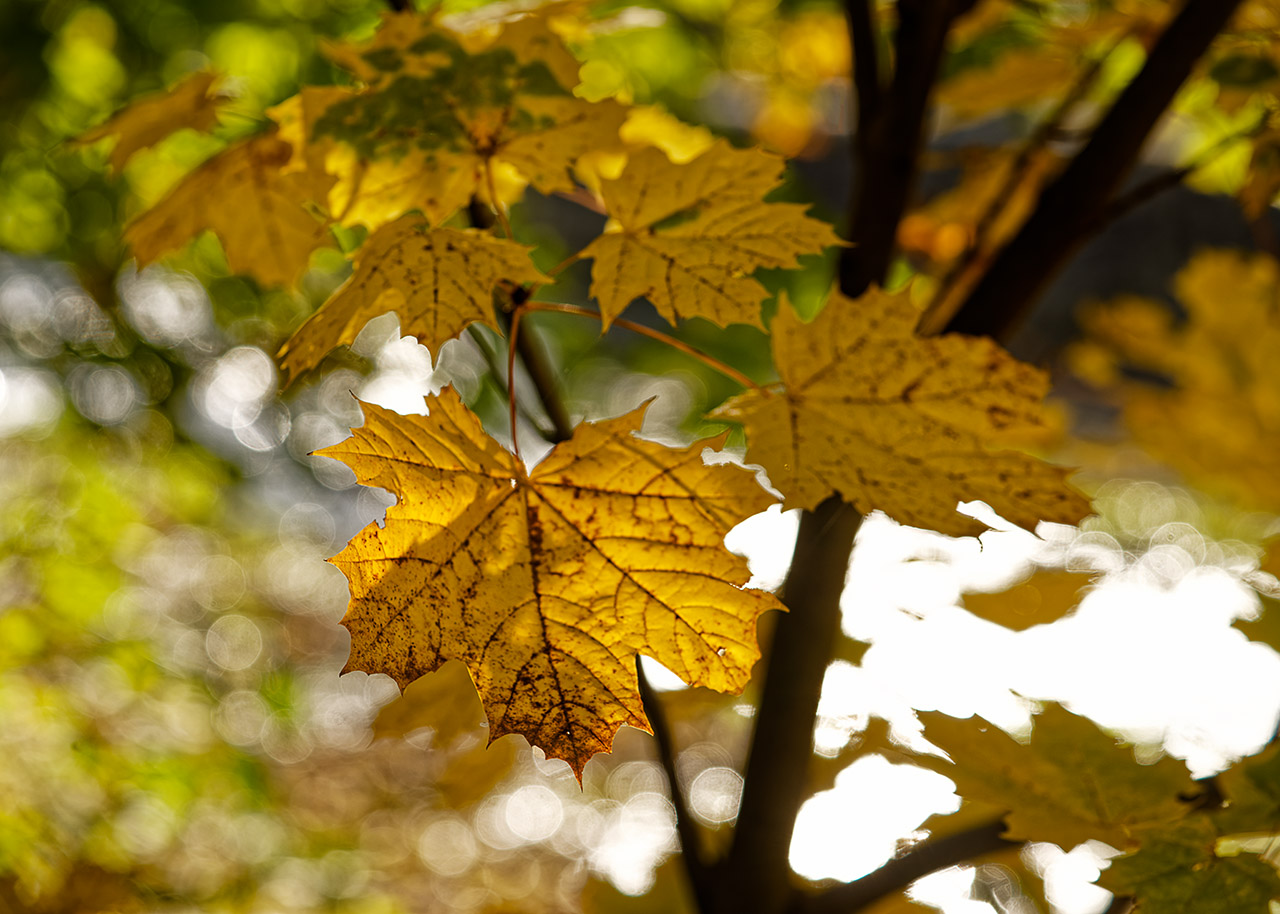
(542, 374)
(710, 361)
(493, 198)
(497, 369)
(1140, 193)
(935, 315)
(512, 336)
(690, 841)
(897, 874)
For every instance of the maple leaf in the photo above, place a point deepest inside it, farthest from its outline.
(153, 117)
(438, 280)
(1177, 871)
(900, 423)
(1045, 597)
(548, 584)
(259, 213)
(437, 100)
(687, 237)
(1071, 782)
(1216, 419)
(370, 192)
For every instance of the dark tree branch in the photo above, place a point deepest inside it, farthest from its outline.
(899, 873)
(887, 146)
(1070, 206)
(691, 853)
(777, 783)
(1139, 194)
(867, 83)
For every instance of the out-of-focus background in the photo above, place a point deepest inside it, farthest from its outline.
(174, 731)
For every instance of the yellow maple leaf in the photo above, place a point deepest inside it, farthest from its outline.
(259, 213)
(438, 280)
(371, 192)
(687, 237)
(900, 423)
(1216, 419)
(547, 584)
(490, 99)
(153, 117)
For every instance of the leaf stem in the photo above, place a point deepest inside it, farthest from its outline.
(512, 336)
(710, 361)
(493, 198)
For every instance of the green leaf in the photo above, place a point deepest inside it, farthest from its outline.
(1071, 782)
(1177, 872)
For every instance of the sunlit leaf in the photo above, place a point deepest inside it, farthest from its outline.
(547, 585)
(260, 214)
(436, 96)
(687, 237)
(899, 423)
(438, 280)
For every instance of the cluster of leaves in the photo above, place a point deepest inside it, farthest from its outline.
(548, 581)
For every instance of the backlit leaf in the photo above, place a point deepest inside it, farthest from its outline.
(1046, 596)
(548, 585)
(438, 280)
(687, 237)
(900, 423)
(153, 117)
(441, 99)
(260, 214)
(1071, 782)
(371, 192)
(1177, 871)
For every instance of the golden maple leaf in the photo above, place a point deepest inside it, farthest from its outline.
(900, 423)
(439, 280)
(687, 237)
(371, 192)
(1217, 418)
(451, 105)
(259, 212)
(153, 117)
(548, 584)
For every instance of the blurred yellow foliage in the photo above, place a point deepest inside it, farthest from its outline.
(1216, 419)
